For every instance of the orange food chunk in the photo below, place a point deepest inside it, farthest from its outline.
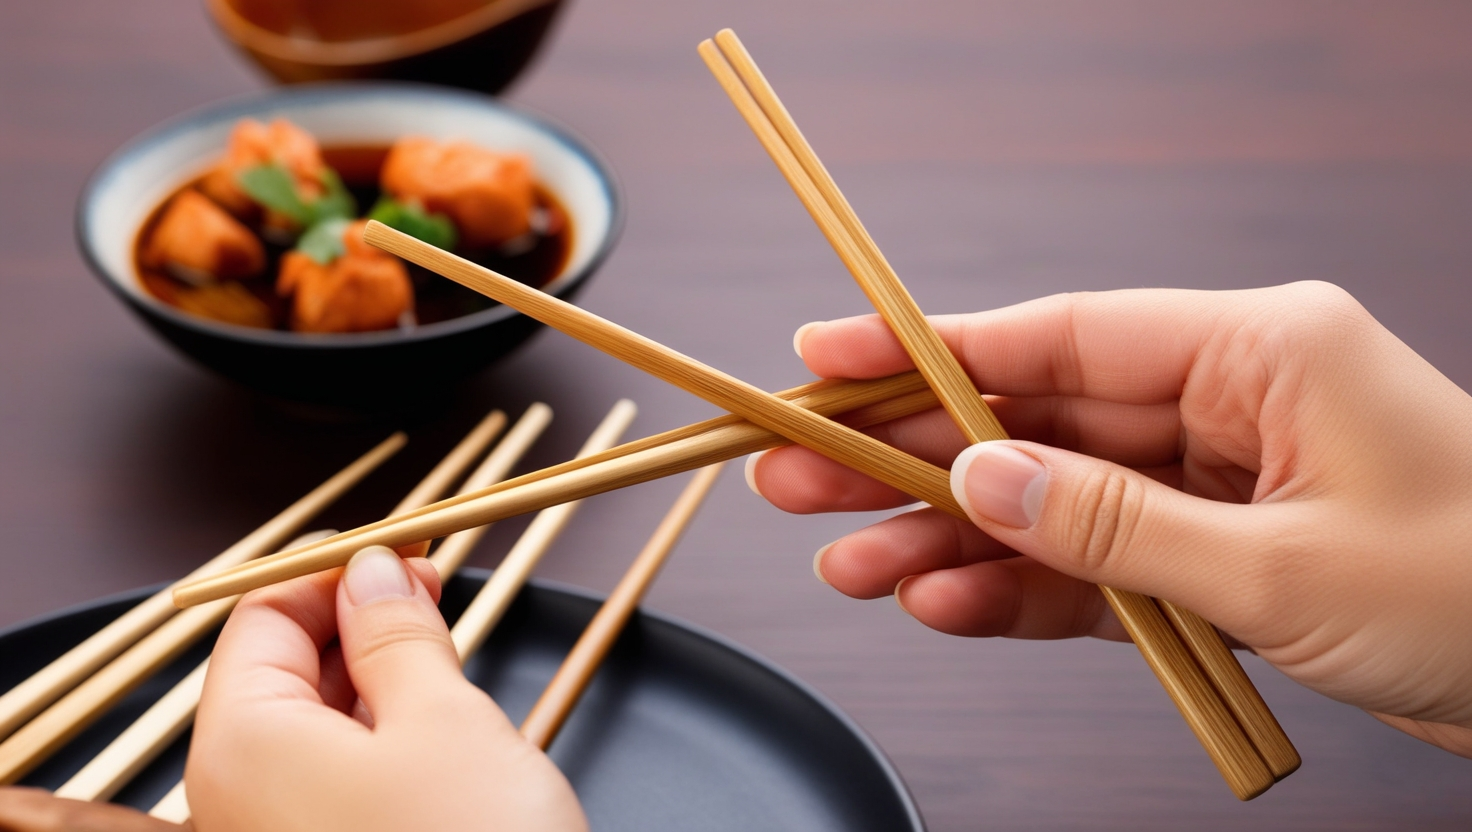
(253, 143)
(196, 240)
(489, 195)
(363, 290)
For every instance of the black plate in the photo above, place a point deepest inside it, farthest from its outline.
(681, 729)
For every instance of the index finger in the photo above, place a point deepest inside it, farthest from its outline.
(1132, 346)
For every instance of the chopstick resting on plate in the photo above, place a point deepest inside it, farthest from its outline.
(1195, 694)
(45, 686)
(56, 725)
(576, 672)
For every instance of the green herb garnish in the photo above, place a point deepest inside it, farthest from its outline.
(410, 217)
(274, 188)
(323, 241)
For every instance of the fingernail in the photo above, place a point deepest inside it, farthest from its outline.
(897, 588)
(999, 483)
(818, 562)
(800, 334)
(750, 472)
(376, 574)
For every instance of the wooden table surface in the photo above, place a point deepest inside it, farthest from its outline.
(997, 150)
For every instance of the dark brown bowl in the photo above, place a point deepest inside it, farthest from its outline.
(462, 43)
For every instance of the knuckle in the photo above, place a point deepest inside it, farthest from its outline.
(1103, 518)
(399, 633)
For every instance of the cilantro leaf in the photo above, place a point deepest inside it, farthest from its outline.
(323, 241)
(410, 217)
(273, 186)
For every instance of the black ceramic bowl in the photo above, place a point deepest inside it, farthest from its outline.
(354, 370)
(481, 46)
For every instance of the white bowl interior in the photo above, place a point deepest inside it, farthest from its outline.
(139, 177)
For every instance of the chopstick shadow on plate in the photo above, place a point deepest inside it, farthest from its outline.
(680, 729)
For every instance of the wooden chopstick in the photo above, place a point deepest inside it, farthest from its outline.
(827, 397)
(1206, 654)
(552, 708)
(484, 611)
(842, 444)
(873, 402)
(28, 698)
(54, 726)
(151, 733)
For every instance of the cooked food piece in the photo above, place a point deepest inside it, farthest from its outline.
(228, 302)
(253, 144)
(363, 289)
(198, 242)
(489, 195)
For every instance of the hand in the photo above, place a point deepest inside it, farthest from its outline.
(1273, 459)
(24, 809)
(377, 731)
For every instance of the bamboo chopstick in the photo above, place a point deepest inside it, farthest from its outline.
(484, 612)
(89, 700)
(28, 698)
(867, 403)
(168, 717)
(826, 397)
(764, 112)
(552, 708)
(842, 444)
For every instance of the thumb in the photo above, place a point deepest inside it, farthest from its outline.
(395, 644)
(1105, 523)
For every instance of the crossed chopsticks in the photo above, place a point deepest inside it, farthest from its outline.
(1186, 653)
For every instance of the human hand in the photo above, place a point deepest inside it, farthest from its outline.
(377, 731)
(1272, 459)
(25, 809)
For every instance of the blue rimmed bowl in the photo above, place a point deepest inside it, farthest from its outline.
(365, 371)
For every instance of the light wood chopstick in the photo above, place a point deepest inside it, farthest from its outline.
(728, 440)
(835, 441)
(490, 603)
(45, 686)
(167, 718)
(827, 397)
(552, 708)
(775, 128)
(72, 713)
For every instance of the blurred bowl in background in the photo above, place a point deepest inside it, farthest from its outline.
(358, 370)
(477, 44)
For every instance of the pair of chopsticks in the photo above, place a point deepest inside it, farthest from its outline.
(1185, 651)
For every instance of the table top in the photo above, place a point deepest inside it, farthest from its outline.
(998, 151)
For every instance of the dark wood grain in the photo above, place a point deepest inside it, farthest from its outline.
(996, 151)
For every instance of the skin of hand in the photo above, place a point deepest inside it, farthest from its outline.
(25, 809)
(1273, 459)
(336, 701)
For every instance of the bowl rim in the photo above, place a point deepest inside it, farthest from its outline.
(366, 51)
(245, 104)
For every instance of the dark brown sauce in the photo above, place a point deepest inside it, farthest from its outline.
(348, 20)
(435, 298)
